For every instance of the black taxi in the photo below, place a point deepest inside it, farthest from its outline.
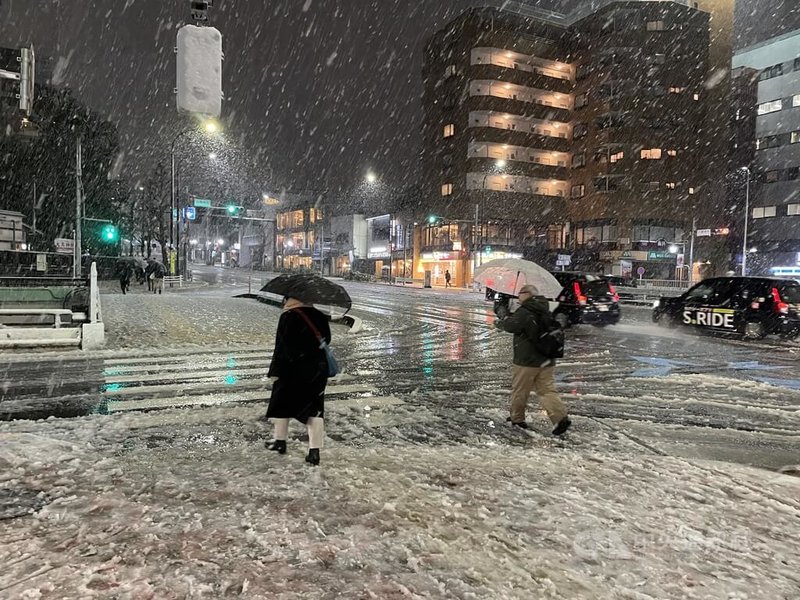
(753, 307)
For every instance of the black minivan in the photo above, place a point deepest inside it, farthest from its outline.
(753, 307)
(586, 299)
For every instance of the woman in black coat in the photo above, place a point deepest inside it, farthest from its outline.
(301, 368)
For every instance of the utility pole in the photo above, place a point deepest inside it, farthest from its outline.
(475, 251)
(33, 233)
(76, 267)
(746, 217)
(691, 251)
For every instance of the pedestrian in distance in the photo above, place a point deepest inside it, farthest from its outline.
(157, 276)
(447, 278)
(301, 367)
(538, 341)
(125, 276)
(148, 273)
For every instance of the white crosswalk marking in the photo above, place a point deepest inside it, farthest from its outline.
(200, 378)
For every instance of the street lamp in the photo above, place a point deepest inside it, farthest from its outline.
(746, 219)
(211, 127)
(673, 249)
(371, 177)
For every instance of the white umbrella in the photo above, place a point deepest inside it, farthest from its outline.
(508, 275)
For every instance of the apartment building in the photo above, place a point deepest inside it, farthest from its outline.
(774, 232)
(584, 134)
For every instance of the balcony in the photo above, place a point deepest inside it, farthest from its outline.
(517, 153)
(528, 79)
(525, 110)
(520, 184)
(510, 59)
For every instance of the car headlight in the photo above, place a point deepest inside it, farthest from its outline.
(657, 303)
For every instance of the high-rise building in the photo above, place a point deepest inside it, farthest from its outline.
(585, 134)
(774, 211)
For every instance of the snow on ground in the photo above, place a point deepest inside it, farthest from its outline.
(189, 504)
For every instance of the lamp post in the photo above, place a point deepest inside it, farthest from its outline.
(746, 219)
(210, 127)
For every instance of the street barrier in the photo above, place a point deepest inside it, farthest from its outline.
(47, 312)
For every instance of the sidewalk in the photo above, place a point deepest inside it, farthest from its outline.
(180, 504)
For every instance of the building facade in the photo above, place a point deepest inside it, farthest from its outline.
(774, 232)
(584, 134)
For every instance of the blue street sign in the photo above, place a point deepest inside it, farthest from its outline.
(190, 213)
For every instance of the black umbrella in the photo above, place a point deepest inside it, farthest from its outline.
(309, 289)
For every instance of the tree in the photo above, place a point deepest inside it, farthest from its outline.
(48, 161)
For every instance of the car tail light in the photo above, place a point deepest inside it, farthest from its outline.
(779, 306)
(613, 292)
(576, 286)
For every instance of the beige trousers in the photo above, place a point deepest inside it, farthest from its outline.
(541, 380)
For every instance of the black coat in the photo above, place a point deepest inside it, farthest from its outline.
(300, 366)
(525, 323)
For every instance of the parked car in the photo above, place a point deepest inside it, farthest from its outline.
(753, 307)
(587, 299)
(618, 281)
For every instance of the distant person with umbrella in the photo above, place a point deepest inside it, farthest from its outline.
(125, 273)
(300, 361)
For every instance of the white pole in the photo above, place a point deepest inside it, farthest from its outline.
(746, 217)
(76, 267)
(691, 251)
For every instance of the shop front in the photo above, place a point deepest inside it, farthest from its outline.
(439, 263)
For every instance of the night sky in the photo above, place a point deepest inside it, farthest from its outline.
(312, 86)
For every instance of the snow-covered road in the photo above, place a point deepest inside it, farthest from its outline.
(424, 490)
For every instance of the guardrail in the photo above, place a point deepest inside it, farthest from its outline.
(33, 324)
(663, 284)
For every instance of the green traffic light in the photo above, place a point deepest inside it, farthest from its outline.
(109, 233)
(232, 209)
(432, 219)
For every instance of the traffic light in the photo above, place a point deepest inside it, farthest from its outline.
(435, 220)
(234, 210)
(109, 233)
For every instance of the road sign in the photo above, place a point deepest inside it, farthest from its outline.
(563, 260)
(640, 271)
(679, 261)
(200, 203)
(703, 233)
(64, 245)
(189, 213)
(41, 262)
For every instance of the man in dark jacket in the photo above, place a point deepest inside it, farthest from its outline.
(531, 370)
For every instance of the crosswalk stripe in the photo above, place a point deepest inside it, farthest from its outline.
(155, 373)
(225, 398)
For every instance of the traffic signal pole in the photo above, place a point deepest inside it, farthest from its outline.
(76, 266)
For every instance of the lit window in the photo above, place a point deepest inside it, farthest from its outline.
(795, 100)
(655, 26)
(617, 156)
(651, 154)
(770, 107)
(449, 130)
(696, 97)
(447, 189)
(672, 153)
(764, 212)
(579, 191)
(795, 137)
(671, 185)
(677, 90)
(793, 209)
(691, 190)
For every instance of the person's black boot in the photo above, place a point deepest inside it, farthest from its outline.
(278, 446)
(313, 456)
(562, 426)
